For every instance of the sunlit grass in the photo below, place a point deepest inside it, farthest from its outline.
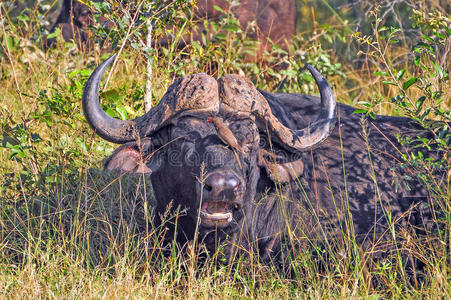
(94, 242)
(62, 234)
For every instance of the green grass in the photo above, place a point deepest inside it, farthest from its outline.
(68, 231)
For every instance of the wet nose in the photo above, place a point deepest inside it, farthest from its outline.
(222, 185)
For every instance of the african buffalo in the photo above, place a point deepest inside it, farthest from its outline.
(75, 17)
(255, 168)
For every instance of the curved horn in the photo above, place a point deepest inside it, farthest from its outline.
(194, 93)
(110, 129)
(239, 95)
(319, 130)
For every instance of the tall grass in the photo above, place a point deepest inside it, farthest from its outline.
(67, 230)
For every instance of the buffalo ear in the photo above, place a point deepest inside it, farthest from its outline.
(280, 172)
(127, 159)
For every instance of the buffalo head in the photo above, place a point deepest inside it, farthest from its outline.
(208, 146)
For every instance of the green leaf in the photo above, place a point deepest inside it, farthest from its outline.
(409, 83)
(83, 72)
(23, 18)
(380, 73)
(10, 42)
(397, 98)
(136, 46)
(364, 103)
(420, 101)
(81, 143)
(428, 38)
(442, 73)
(214, 26)
(110, 112)
(54, 34)
(417, 60)
(232, 27)
(129, 110)
(218, 8)
(221, 36)
(122, 112)
(306, 77)
(436, 95)
(360, 111)
(400, 74)
(389, 82)
(440, 35)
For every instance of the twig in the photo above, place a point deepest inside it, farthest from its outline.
(149, 73)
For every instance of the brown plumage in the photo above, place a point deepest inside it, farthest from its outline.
(226, 136)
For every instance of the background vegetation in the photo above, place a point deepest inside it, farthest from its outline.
(60, 237)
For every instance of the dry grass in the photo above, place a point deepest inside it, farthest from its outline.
(67, 231)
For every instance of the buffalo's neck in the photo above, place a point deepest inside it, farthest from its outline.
(270, 222)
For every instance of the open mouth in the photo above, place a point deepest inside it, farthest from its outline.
(217, 213)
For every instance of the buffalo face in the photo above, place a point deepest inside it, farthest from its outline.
(202, 146)
(193, 168)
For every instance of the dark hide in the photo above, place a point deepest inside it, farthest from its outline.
(349, 185)
(276, 174)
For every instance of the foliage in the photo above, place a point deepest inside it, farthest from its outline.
(48, 148)
(423, 95)
(129, 19)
